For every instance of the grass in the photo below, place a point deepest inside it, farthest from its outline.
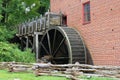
(5, 75)
(97, 78)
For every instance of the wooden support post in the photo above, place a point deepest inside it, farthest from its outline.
(48, 19)
(36, 45)
(27, 42)
(60, 13)
(21, 44)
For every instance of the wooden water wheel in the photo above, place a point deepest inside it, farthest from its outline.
(62, 45)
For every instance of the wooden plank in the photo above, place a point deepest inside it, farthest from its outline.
(83, 70)
(59, 75)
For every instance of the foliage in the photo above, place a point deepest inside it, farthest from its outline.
(5, 34)
(19, 11)
(10, 52)
(13, 12)
(44, 6)
(1, 10)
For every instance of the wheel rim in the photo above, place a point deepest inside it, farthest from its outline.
(62, 45)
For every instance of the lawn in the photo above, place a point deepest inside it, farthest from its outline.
(5, 75)
(97, 78)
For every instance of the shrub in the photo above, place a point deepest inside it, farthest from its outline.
(10, 52)
(5, 34)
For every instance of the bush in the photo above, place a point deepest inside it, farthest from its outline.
(5, 34)
(10, 52)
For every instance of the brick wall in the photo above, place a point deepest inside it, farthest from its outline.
(102, 34)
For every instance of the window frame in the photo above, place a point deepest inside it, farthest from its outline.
(83, 13)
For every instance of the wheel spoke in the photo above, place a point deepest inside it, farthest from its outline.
(59, 46)
(54, 38)
(62, 51)
(44, 48)
(65, 49)
(49, 43)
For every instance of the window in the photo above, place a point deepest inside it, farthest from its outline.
(64, 20)
(86, 12)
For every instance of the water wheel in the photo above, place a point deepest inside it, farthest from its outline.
(62, 45)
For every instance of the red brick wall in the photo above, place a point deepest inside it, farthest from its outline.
(102, 34)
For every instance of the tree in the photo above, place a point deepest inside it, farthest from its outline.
(1, 10)
(44, 6)
(25, 9)
(13, 12)
(16, 11)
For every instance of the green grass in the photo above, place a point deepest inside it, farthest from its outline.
(5, 75)
(97, 78)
